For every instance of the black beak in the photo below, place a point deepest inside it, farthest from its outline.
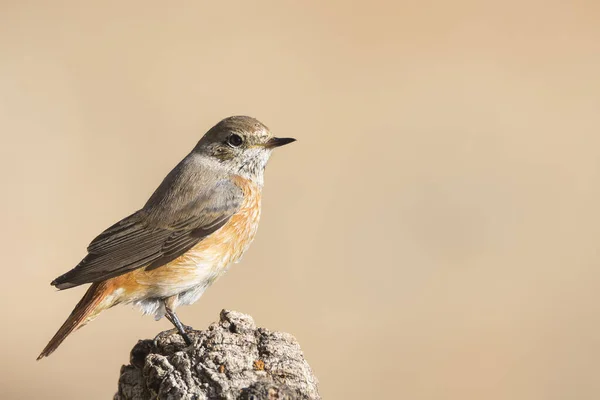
(278, 142)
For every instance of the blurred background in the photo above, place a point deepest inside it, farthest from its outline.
(433, 234)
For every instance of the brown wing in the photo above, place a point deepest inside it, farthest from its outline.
(159, 233)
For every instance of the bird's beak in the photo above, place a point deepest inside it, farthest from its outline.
(278, 142)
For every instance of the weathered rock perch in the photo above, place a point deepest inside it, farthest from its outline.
(232, 359)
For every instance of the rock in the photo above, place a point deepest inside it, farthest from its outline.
(230, 360)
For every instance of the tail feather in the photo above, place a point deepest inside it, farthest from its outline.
(84, 311)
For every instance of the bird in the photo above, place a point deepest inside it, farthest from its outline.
(200, 220)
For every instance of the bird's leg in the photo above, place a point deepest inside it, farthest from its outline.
(174, 319)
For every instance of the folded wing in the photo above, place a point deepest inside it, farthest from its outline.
(158, 233)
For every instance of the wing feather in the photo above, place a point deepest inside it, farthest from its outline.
(158, 233)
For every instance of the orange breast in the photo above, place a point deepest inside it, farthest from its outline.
(206, 261)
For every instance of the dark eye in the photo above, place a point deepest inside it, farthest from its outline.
(235, 140)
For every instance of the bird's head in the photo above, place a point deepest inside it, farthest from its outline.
(241, 145)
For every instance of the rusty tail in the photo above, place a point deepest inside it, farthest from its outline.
(87, 309)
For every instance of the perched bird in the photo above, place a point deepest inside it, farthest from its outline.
(201, 219)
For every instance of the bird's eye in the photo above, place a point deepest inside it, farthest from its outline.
(235, 140)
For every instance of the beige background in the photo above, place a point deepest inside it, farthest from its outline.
(433, 234)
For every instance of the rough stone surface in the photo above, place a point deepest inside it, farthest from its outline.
(230, 360)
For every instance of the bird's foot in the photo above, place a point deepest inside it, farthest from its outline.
(186, 338)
